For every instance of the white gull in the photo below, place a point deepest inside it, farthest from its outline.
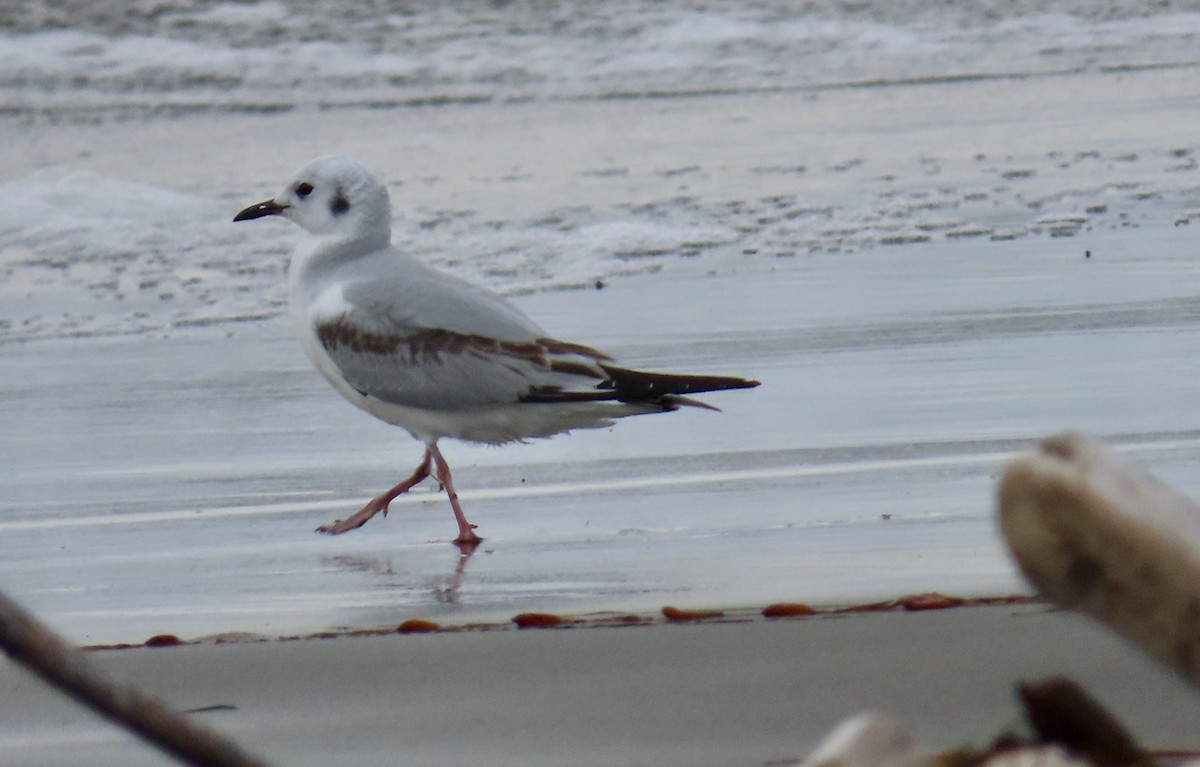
(431, 353)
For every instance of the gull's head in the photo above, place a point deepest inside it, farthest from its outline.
(336, 196)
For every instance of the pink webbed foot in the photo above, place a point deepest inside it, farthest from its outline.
(378, 504)
(467, 540)
(360, 517)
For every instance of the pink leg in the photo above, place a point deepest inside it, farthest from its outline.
(466, 531)
(379, 504)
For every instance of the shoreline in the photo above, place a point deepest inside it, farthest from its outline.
(599, 619)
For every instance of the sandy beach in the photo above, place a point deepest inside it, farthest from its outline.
(748, 692)
(929, 270)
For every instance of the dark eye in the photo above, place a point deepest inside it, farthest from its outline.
(304, 189)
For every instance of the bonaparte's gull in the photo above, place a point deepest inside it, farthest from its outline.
(431, 353)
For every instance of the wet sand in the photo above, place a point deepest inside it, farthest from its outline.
(751, 693)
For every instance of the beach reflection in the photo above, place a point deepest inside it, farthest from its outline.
(385, 574)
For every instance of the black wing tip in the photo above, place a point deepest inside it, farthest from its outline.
(624, 385)
(642, 385)
(672, 402)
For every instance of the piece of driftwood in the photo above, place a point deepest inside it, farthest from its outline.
(43, 652)
(1062, 713)
(869, 740)
(1068, 729)
(1094, 533)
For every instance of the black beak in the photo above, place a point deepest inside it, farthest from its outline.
(268, 208)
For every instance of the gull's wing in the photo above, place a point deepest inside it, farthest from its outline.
(408, 335)
(412, 336)
(438, 369)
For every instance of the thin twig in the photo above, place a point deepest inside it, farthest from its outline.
(46, 654)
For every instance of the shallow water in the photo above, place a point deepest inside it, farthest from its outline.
(925, 275)
(74, 60)
(178, 489)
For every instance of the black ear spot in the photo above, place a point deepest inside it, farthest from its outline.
(339, 205)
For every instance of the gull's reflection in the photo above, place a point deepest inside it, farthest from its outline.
(445, 589)
(449, 594)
